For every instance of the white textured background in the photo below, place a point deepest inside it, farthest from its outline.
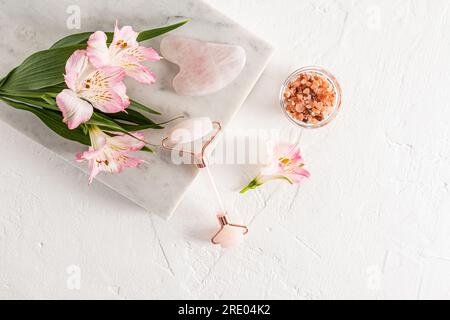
(372, 222)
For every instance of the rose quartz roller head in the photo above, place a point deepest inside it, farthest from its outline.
(229, 234)
(191, 130)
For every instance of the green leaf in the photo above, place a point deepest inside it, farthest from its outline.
(149, 34)
(139, 127)
(147, 126)
(26, 94)
(106, 123)
(54, 89)
(147, 149)
(3, 80)
(49, 99)
(136, 106)
(71, 40)
(84, 128)
(53, 120)
(79, 39)
(130, 116)
(82, 38)
(33, 102)
(40, 70)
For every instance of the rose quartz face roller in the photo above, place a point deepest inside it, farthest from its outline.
(204, 131)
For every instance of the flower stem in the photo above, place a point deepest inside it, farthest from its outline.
(252, 185)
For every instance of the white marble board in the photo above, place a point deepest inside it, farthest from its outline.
(159, 185)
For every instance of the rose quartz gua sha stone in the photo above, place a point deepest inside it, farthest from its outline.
(205, 67)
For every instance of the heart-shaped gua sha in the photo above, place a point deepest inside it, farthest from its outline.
(205, 67)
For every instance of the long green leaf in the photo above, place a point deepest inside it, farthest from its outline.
(149, 34)
(147, 126)
(40, 70)
(48, 97)
(46, 100)
(71, 40)
(79, 39)
(147, 149)
(53, 120)
(54, 89)
(105, 122)
(33, 102)
(130, 116)
(136, 106)
(26, 94)
(140, 127)
(3, 80)
(82, 38)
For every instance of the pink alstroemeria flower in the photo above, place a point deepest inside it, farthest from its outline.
(286, 163)
(123, 52)
(110, 153)
(89, 88)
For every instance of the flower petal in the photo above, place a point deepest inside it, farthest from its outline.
(116, 162)
(104, 77)
(110, 154)
(121, 90)
(124, 142)
(100, 89)
(75, 110)
(90, 154)
(298, 175)
(303, 172)
(97, 50)
(290, 151)
(133, 162)
(98, 138)
(124, 37)
(95, 170)
(140, 73)
(142, 53)
(107, 100)
(76, 66)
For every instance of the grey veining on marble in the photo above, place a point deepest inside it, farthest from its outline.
(158, 185)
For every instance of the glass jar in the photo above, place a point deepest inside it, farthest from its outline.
(324, 75)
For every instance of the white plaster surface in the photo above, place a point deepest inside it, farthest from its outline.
(372, 222)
